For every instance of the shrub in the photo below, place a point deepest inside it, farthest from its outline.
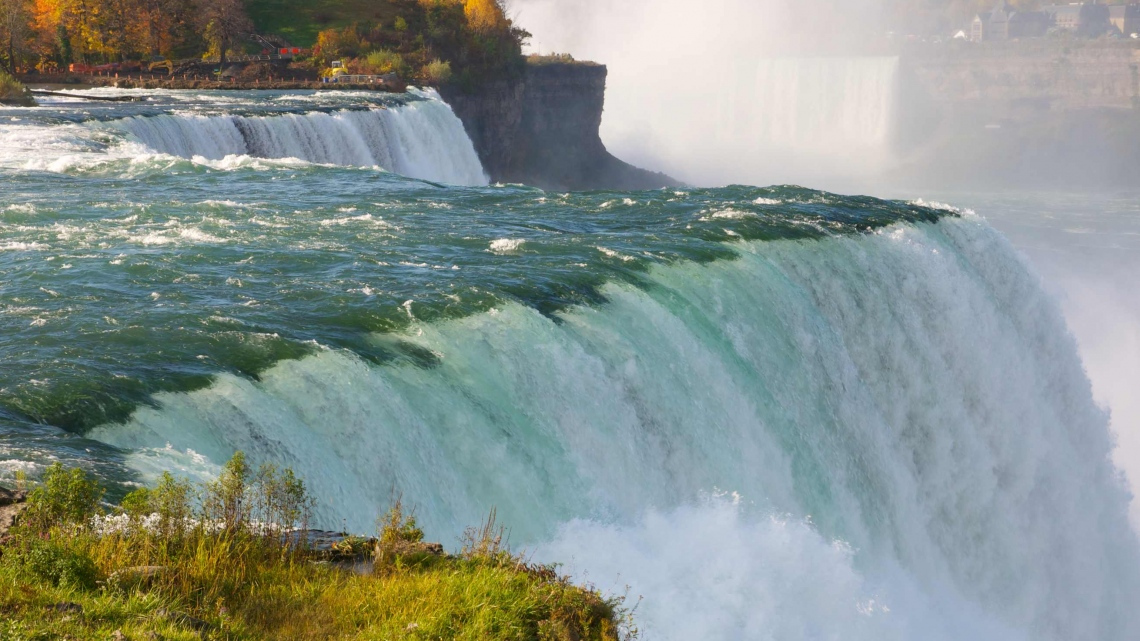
(399, 541)
(224, 498)
(172, 501)
(488, 541)
(58, 564)
(12, 92)
(339, 43)
(272, 501)
(384, 61)
(279, 500)
(66, 497)
(436, 72)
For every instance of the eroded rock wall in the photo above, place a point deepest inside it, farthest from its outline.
(543, 130)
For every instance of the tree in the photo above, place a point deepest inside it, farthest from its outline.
(485, 15)
(15, 16)
(224, 22)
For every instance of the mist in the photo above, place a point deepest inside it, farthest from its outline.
(739, 91)
(713, 93)
(825, 94)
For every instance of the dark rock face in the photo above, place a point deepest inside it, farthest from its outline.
(544, 130)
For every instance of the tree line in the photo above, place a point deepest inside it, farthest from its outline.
(36, 33)
(473, 36)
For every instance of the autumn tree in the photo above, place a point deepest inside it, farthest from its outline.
(485, 15)
(15, 27)
(224, 22)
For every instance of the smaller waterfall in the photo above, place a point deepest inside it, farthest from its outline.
(824, 104)
(423, 139)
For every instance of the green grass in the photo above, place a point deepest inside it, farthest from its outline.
(243, 593)
(299, 21)
(61, 576)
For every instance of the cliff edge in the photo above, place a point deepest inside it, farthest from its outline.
(543, 130)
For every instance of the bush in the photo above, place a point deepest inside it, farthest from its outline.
(172, 501)
(59, 565)
(384, 61)
(12, 92)
(436, 72)
(66, 497)
(224, 498)
(333, 44)
(279, 500)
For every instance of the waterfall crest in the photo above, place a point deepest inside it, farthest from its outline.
(422, 139)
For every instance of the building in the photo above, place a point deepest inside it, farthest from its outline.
(1007, 23)
(1088, 19)
(1125, 18)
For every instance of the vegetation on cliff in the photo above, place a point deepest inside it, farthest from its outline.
(432, 41)
(232, 560)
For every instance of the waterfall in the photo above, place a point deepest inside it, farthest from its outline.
(824, 105)
(422, 139)
(900, 418)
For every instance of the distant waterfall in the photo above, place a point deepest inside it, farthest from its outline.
(824, 105)
(423, 139)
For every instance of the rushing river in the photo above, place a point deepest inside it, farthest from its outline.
(775, 413)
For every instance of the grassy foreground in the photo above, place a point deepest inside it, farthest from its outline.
(179, 562)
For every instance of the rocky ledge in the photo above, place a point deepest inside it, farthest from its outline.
(543, 130)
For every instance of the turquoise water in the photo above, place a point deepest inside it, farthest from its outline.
(779, 412)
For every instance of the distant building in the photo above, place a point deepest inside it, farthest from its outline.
(1007, 23)
(1125, 18)
(1085, 19)
(1088, 19)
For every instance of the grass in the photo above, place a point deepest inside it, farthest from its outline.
(300, 20)
(68, 572)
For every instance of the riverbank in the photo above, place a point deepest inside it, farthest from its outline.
(227, 560)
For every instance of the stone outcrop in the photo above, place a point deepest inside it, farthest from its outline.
(543, 130)
(12, 504)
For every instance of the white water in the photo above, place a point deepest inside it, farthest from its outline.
(904, 415)
(421, 139)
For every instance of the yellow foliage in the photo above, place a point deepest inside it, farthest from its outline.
(484, 15)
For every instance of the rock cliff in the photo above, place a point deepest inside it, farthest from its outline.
(1042, 113)
(543, 130)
